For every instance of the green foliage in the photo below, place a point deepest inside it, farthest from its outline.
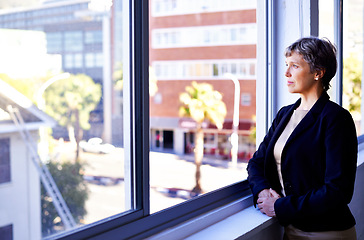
(200, 102)
(352, 75)
(27, 86)
(118, 76)
(70, 183)
(77, 93)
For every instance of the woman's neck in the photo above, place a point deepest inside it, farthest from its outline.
(308, 100)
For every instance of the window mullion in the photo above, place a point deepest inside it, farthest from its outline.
(141, 126)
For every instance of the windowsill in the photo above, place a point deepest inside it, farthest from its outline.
(238, 219)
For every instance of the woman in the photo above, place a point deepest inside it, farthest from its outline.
(304, 170)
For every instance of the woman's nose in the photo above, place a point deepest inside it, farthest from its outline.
(287, 73)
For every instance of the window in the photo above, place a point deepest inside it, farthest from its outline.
(232, 34)
(73, 60)
(121, 203)
(73, 41)
(353, 61)
(6, 232)
(202, 69)
(93, 37)
(5, 162)
(204, 50)
(93, 60)
(181, 7)
(245, 99)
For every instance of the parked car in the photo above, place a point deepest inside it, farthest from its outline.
(95, 145)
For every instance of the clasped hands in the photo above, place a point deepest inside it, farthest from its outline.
(266, 200)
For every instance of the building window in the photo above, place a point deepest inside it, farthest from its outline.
(234, 34)
(179, 7)
(73, 60)
(245, 99)
(158, 98)
(205, 69)
(93, 37)
(73, 41)
(5, 166)
(93, 60)
(6, 232)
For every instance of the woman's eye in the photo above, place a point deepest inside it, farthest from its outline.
(295, 66)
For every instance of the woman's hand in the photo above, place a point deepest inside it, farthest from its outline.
(266, 200)
(264, 193)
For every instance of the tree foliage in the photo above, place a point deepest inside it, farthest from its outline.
(201, 102)
(79, 92)
(70, 102)
(352, 75)
(26, 86)
(71, 185)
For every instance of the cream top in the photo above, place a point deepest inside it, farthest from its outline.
(296, 117)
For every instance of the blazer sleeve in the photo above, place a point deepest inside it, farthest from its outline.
(256, 176)
(340, 158)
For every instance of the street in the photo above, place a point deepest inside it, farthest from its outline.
(171, 179)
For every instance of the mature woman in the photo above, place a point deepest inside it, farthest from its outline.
(304, 170)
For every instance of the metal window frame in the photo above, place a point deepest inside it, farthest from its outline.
(139, 223)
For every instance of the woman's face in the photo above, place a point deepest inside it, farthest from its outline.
(299, 76)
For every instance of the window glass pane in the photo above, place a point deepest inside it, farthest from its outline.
(72, 68)
(202, 48)
(353, 60)
(327, 30)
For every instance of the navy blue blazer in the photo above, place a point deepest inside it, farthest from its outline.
(318, 167)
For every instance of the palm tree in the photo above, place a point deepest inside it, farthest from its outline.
(201, 102)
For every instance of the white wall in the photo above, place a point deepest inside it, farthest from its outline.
(292, 20)
(20, 199)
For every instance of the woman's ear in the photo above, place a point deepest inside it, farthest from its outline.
(320, 74)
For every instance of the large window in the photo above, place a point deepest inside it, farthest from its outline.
(199, 45)
(353, 60)
(86, 153)
(135, 171)
(349, 41)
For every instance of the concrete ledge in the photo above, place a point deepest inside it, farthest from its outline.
(238, 220)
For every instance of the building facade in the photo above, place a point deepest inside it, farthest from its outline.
(20, 188)
(202, 41)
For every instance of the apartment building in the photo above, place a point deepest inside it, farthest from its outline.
(202, 41)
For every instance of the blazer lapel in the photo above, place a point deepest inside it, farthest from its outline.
(309, 119)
